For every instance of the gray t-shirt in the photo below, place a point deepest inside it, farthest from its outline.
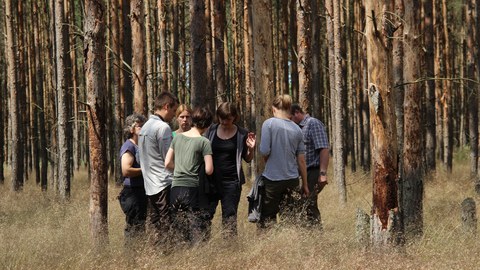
(153, 143)
(189, 153)
(282, 141)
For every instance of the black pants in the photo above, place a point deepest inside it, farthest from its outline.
(159, 215)
(133, 202)
(189, 221)
(277, 197)
(312, 212)
(230, 198)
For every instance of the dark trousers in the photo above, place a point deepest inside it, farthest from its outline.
(230, 198)
(189, 221)
(277, 198)
(159, 215)
(133, 202)
(312, 214)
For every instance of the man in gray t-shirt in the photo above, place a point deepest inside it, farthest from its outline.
(153, 144)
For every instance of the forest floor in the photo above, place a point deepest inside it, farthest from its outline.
(38, 232)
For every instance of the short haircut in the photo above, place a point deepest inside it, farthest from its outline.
(130, 122)
(283, 102)
(202, 117)
(296, 108)
(226, 110)
(163, 99)
(182, 108)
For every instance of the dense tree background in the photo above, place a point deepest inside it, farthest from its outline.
(386, 78)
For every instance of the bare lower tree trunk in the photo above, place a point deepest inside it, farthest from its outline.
(17, 165)
(197, 50)
(61, 36)
(263, 53)
(94, 53)
(248, 62)
(398, 80)
(382, 121)
(137, 19)
(412, 182)
(3, 93)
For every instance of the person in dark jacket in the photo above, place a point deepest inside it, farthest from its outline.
(230, 144)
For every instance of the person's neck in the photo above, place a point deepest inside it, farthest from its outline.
(227, 128)
(134, 140)
(160, 114)
(282, 115)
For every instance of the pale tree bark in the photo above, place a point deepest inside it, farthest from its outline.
(183, 55)
(382, 121)
(61, 54)
(337, 96)
(197, 52)
(263, 65)
(219, 43)
(472, 75)
(94, 53)
(304, 60)
(137, 20)
(447, 95)
(430, 127)
(412, 181)
(17, 165)
(162, 19)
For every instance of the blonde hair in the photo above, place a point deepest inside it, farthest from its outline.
(181, 108)
(283, 102)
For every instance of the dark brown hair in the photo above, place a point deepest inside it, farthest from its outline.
(202, 117)
(226, 110)
(163, 99)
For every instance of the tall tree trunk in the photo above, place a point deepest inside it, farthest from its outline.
(137, 17)
(472, 75)
(183, 55)
(175, 45)
(439, 72)
(219, 43)
(94, 54)
(304, 59)
(412, 182)
(61, 36)
(382, 120)
(116, 73)
(430, 128)
(248, 62)
(149, 56)
(126, 59)
(17, 165)
(3, 93)
(399, 89)
(447, 94)
(197, 52)
(292, 32)
(162, 19)
(263, 53)
(283, 47)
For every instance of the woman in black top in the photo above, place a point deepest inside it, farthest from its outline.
(230, 144)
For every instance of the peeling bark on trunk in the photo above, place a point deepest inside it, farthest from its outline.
(382, 120)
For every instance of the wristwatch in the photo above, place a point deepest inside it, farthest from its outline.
(323, 173)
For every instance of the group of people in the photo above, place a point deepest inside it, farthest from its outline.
(182, 176)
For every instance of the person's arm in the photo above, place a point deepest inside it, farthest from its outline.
(208, 164)
(302, 169)
(265, 141)
(324, 158)
(170, 159)
(127, 163)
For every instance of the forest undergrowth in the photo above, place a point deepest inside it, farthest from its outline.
(38, 232)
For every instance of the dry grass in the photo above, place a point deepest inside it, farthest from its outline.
(38, 232)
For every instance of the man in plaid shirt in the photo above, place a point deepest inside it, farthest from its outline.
(316, 156)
